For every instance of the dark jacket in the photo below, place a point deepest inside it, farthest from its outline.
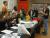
(46, 11)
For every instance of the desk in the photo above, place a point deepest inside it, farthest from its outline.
(23, 25)
(29, 24)
(10, 33)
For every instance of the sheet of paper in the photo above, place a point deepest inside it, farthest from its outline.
(7, 31)
(14, 27)
(18, 36)
(25, 22)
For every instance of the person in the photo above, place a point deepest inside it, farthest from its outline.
(31, 13)
(4, 8)
(16, 14)
(45, 17)
(4, 12)
(35, 12)
(22, 14)
(14, 11)
(27, 17)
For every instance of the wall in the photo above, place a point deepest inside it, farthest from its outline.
(40, 1)
(11, 4)
(38, 5)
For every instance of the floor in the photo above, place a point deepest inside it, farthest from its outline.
(42, 36)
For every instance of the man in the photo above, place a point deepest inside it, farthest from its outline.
(4, 8)
(45, 16)
(4, 12)
(33, 13)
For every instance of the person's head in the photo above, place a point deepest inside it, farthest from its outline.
(15, 8)
(22, 8)
(46, 5)
(5, 3)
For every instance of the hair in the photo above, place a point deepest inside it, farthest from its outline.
(4, 2)
(15, 8)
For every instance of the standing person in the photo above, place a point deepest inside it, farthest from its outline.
(4, 13)
(45, 15)
(35, 13)
(4, 8)
(15, 13)
(27, 17)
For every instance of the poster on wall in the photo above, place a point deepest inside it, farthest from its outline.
(23, 4)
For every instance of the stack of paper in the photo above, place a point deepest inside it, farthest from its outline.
(7, 31)
(14, 27)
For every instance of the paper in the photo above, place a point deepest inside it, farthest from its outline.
(25, 22)
(7, 31)
(22, 29)
(18, 36)
(15, 34)
(14, 27)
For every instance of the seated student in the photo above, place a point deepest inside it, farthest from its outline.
(4, 9)
(27, 17)
(22, 14)
(14, 11)
(33, 13)
(17, 18)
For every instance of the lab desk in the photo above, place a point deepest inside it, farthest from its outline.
(29, 24)
(10, 33)
(23, 25)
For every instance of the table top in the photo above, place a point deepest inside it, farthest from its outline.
(29, 24)
(7, 33)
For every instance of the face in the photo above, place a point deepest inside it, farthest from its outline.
(46, 5)
(6, 3)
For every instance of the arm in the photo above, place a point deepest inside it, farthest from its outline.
(46, 12)
(41, 12)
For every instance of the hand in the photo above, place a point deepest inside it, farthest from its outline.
(44, 13)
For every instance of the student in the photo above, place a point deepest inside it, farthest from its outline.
(16, 14)
(14, 11)
(31, 13)
(27, 17)
(22, 14)
(35, 12)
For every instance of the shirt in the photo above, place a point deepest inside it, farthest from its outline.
(4, 9)
(27, 18)
(47, 12)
